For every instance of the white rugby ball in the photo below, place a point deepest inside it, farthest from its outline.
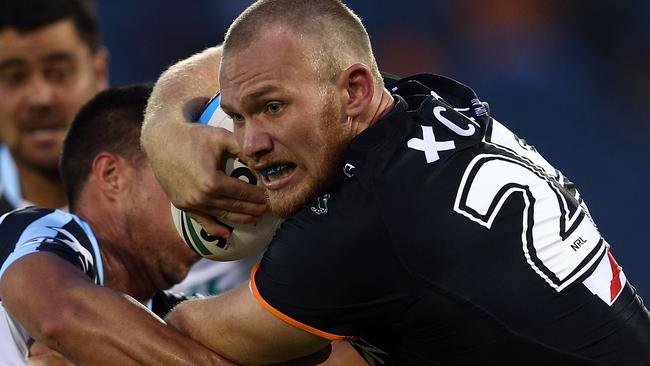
(245, 239)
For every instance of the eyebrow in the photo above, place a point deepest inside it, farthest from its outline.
(57, 57)
(50, 58)
(11, 62)
(251, 98)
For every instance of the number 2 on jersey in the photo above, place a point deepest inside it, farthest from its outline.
(559, 240)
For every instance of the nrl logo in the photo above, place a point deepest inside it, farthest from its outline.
(322, 204)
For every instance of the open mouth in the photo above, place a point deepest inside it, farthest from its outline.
(277, 172)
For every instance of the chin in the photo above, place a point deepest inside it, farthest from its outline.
(287, 202)
(47, 164)
(282, 206)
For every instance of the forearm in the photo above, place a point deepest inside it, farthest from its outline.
(102, 326)
(91, 325)
(236, 326)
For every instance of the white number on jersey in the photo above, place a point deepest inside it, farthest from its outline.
(559, 240)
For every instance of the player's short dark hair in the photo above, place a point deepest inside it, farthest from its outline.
(110, 122)
(29, 15)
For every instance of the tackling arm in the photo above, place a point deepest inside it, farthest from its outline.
(238, 327)
(89, 324)
(186, 157)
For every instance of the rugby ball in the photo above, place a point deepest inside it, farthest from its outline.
(245, 239)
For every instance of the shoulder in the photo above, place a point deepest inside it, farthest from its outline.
(24, 216)
(35, 229)
(31, 223)
(13, 225)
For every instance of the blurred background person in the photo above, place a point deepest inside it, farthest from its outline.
(51, 63)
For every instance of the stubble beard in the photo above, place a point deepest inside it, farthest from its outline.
(286, 202)
(44, 160)
(47, 167)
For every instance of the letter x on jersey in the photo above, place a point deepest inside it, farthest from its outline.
(429, 145)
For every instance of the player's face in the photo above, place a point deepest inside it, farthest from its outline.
(286, 121)
(45, 77)
(167, 258)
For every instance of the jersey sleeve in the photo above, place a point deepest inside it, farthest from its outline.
(320, 273)
(34, 230)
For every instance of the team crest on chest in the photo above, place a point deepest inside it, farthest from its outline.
(321, 205)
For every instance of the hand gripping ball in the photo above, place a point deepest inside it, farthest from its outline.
(245, 239)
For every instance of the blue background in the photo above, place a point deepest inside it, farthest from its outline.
(571, 77)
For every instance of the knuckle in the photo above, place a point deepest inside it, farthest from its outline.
(236, 205)
(260, 209)
(223, 215)
(212, 183)
(246, 219)
(194, 199)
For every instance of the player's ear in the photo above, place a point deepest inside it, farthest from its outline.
(359, 88)
(108, 171)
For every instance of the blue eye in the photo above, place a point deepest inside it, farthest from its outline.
(274, 107)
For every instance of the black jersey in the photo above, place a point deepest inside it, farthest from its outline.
(453, 242)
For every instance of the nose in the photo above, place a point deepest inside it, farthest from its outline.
(39, 92)
(257, 141)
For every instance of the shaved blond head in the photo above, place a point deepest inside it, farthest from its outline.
(333, 34)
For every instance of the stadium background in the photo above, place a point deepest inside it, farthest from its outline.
(571, 77)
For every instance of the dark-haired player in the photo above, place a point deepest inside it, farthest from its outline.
(80, 282)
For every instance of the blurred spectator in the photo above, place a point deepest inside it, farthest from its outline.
(51, 63)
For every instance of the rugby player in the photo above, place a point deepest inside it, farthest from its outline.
(87, 284)
(418, 227)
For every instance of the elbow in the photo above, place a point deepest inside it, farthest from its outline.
(70, 318)
(51, 329)
(55, 329)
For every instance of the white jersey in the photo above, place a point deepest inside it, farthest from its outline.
(13, 341)
(33, 230)
(11, 196)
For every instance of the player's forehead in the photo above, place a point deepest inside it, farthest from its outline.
(262, 69)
